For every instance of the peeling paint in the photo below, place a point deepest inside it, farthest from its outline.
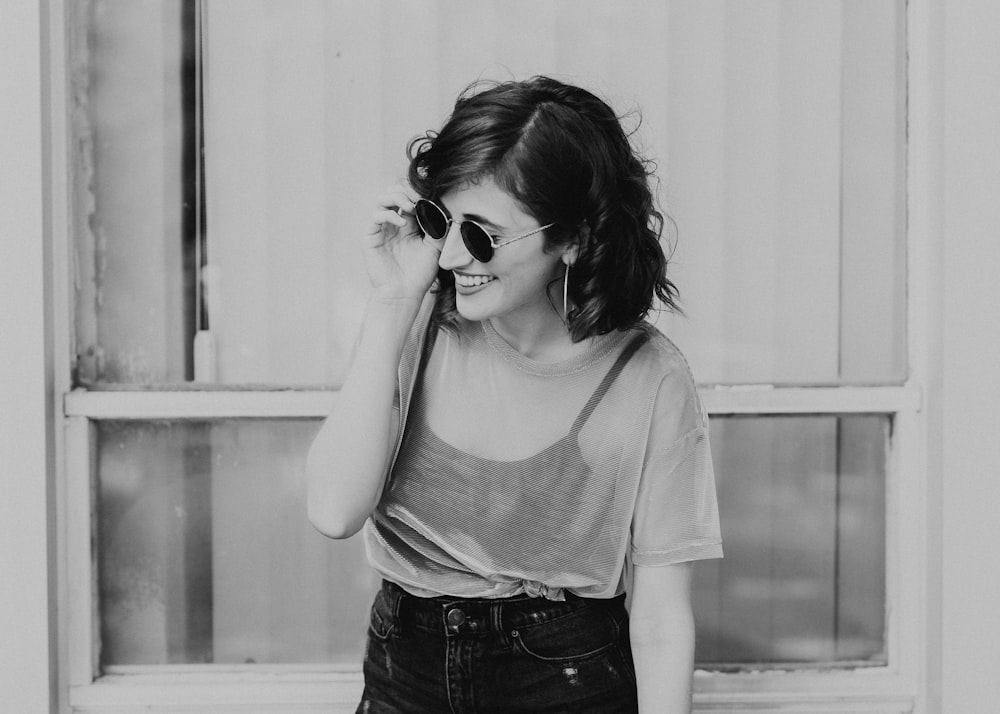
(127, 248)
(85, 349)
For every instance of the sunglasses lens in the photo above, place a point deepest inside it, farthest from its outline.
(431, 219)
(477, 242)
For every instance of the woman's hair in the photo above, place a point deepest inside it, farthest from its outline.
(562, 154)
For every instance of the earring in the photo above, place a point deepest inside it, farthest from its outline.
(566, 295)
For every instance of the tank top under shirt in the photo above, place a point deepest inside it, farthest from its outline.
(453, 523)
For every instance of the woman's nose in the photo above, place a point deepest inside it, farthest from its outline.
(454, 255)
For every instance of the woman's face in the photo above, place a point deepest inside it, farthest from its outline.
(512, 286)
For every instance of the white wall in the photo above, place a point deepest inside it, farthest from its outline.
(24, 473)
(970, 351)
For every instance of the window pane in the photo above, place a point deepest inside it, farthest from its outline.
(205, 553)
(785, 164)
(132, 209)
(802, 503)
(778, 127)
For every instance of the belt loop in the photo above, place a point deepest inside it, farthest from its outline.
(496, 616)
(394, 595)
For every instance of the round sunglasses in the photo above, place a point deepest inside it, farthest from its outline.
(478, 241)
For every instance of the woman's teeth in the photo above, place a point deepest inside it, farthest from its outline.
(471, 281)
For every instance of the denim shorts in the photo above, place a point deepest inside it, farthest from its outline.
(511, 655)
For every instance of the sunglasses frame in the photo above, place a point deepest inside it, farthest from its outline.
(449, 221)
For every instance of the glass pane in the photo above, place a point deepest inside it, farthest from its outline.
(786, 172)
(778, 127)
(205, 553)
(802, 504)
(132, 222)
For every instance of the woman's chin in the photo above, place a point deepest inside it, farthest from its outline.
(471, 310)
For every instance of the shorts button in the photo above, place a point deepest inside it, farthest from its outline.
(455, 617)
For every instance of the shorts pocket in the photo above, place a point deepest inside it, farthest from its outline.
(582, 635)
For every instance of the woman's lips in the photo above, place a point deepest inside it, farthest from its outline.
(470, 283)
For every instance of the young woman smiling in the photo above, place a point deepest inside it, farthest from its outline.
(521, 447)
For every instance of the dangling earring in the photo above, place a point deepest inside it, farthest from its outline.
(566, 296)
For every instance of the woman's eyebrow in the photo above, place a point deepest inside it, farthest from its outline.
(485, 222)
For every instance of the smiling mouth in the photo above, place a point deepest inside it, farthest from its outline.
(472, 281)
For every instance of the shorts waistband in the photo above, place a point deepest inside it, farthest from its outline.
(460, 616)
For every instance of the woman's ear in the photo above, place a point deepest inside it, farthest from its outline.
(572, 250)
(570, 253)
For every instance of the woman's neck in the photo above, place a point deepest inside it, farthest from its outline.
(538, 330)
(544, 339)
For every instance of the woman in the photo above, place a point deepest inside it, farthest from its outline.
(523, 446)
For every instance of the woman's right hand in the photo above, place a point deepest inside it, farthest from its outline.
(402, 262)
(346, 474)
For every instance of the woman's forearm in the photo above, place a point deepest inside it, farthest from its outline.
(348, 459)
(664, 663)
(661, 630)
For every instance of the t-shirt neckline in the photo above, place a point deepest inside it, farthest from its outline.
(601, 347)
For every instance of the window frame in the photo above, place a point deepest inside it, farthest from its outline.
(181, 685)
(897, 687)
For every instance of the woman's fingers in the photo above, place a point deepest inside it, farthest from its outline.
(395, 208)
(391, 216)
(399, 198)
(409, 196)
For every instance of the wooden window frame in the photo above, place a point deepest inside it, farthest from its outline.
(898, 687)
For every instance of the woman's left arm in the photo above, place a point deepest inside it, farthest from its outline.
(662, 636)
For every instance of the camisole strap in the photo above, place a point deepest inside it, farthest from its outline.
(609, 379)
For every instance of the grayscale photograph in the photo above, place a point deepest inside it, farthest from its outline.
(499, 356)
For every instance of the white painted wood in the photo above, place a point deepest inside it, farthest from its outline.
(212, 672)
(26, 615)
(919, 445)
(340, 694)
(82, 637)
(970, 339)
(753, 399)
(198, 404)
(906, 545)
(59, 182)
(864, 691)
(243, 693)
(764, 399)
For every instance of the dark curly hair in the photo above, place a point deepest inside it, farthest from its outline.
(562, 153)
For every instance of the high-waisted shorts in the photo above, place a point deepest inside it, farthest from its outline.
(511, 655)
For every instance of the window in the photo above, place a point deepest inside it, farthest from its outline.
(222, 156)
(803, 582)
(203, 554)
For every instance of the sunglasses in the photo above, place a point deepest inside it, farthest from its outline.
(478, 241)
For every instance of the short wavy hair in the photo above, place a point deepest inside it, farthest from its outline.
(563, 155)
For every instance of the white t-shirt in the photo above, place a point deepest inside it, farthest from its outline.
(515, 476)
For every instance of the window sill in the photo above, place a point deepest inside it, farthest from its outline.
(287, 691)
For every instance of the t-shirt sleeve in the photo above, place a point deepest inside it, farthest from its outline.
(676, 517)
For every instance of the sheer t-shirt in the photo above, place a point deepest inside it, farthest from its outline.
(515, 476)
